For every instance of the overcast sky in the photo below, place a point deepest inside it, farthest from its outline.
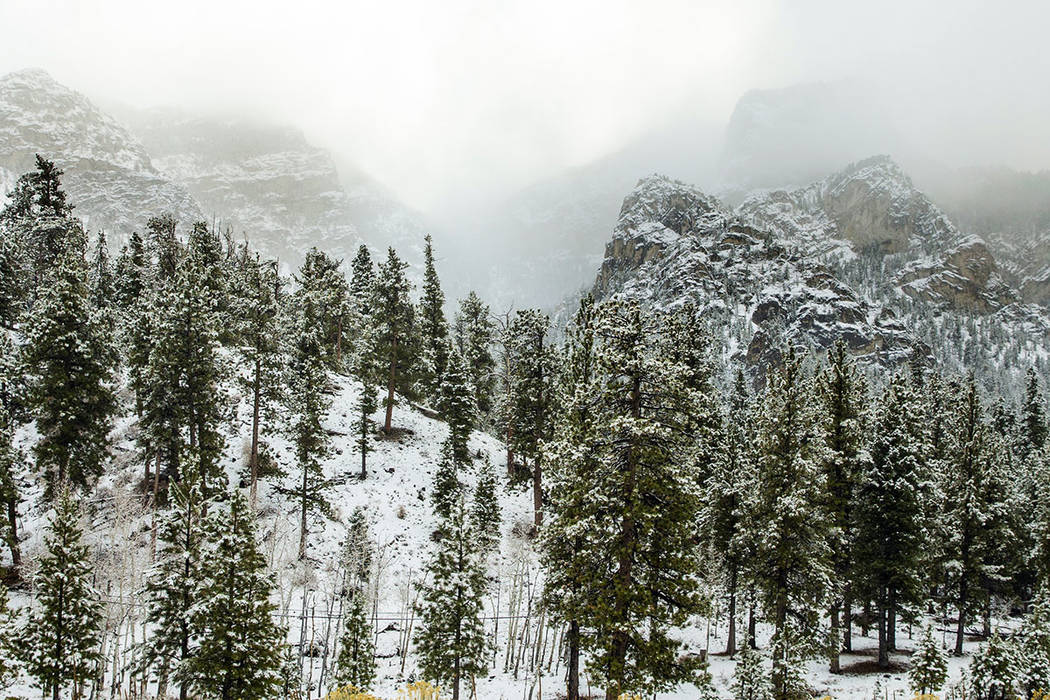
(437, 97)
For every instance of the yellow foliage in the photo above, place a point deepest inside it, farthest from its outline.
(628, 696)
(349, 692)
(420, 690)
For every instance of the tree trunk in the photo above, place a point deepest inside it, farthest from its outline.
(780, 649)
(847, 621)
(391, 378)
(573, 690)
(752, 622)
(960, 627)
(12, 534)
(833, 661)
(537, 492)
(884, 656)
(891, 621)
(731, 640)
(303, 523)
(364, 452)
(865, 621)
(256, 399)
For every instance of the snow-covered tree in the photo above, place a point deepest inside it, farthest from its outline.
(456, 403)
(750, 676)
(8, 642)
(992, 673)
(447, 490)
(237, 644)
(70, 360)
(395, 330)
(1032, 649)
(485, 514)
(308, 402)
(474, 333)
(451, 641)
(433, 328)
(929, 666)
(11, 464)
(61, 638)
(321, 280)
(356, 665)
(791, 565)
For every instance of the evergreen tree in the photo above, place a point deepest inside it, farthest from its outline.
(791, 563)
(929, 667)
(258, 311)
(750, 678)
(308, 403)
(485, 514)
(129, 275)
(358, 551)
(101, 282)
(572, 454)
(529, 396)
(61, 639)
(457, 404)
(238, 650)
(433, 328)
(841, 397)
(363, 368)
(323, 283)
(992, 674)
(356, 666)
(1032, 650)
(8, 642)
(394, 323)
(643, 503)
(447, 490)
(1033, 420)
(474, 333)
(451, 643)
(70, 361)
(362, 282)
(888, 512)
(173, 585)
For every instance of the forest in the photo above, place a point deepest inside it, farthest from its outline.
(800, 508)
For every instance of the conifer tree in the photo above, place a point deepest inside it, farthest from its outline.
(451, 642)
(8, 642)
(238, 651)
(529, 401)
(358, 551)
(1032, 650)
(791, 562)
(61, 638)
(308, 403)
(992, 674)
(129, 275)
(485, 514)
(456, 403)
(929, 667)
(447, 489)
(321, 280)
(101, 282)
(356, 666)
(644, 503)
(433, 328)
(173, 585)
(1034, 425)
(572, 454)
(888, 510)
(474, 333)
(258, 310)
(394, 323)
(750, 678)
(70, 361)
(841, 397)
(362, 282)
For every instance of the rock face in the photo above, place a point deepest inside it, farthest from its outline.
(109, 175)
(965, 278)
(674, 244)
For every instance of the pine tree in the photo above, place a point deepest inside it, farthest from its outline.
(485, 514)
(888, 511)
(362, 282)
(447, 489)
(474, 334)
(321, 280)
(841, 397)
(8, 642)
(394, 323)
(363, 368)
(451, 642)
(257, 307)
(750, 678)
(358, 551)
(929, 667)
(572, 454)
(529, 401)
(1034, 425)
(791, 561)
(61, 638)
(101, 282)
(1033, 650)
(129, 275)
(456, 404)
(992, 674)
(173, 585)
(433, 328)
(644, 503)
(70, 360)
(238, 652)
(308, 403)
(356, 666)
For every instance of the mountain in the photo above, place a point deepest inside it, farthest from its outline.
(271, 186)
(109, 174)
(861, 255)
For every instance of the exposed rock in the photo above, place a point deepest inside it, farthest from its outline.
(965, 278)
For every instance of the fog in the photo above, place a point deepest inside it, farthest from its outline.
(451, 103)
